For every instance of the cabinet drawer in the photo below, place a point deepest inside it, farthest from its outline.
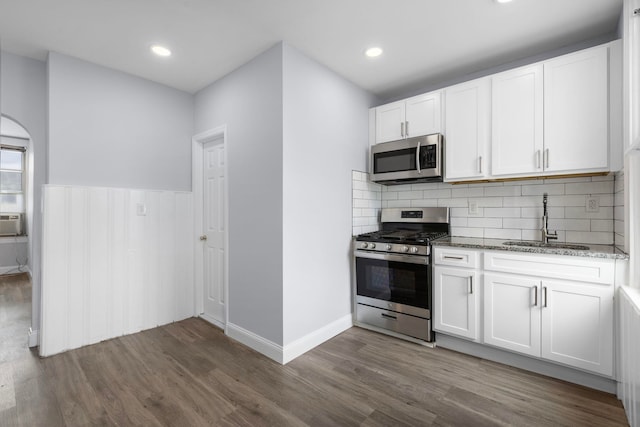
(459, 257)
(592, 270)
(397, 322)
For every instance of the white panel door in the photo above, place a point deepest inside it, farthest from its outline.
(390, 122)
(517, 122)
(467, 127)
(423, 115)
(512, 313)
(214, 232)
(576, 111)
(455, 301)
(577, 325)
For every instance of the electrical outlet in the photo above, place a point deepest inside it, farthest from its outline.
(593, 204)
(473, 207)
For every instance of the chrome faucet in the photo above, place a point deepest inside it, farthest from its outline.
(546, 235)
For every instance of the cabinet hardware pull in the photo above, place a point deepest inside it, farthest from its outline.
(388, 316)
(546, 158)
(480, 164)
(203, 237)
(535, 295)
(406, 128)
(471, 285)
(545, 296)
(417, 154)
(636, 12)
(537, 159)
(452, 257)
(402, 129)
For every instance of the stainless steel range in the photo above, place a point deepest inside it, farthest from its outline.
(393, 270)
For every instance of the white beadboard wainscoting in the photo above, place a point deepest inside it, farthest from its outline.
(114, 262)
(629, 352)
(506, 210)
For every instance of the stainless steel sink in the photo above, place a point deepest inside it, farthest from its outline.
(545, 245)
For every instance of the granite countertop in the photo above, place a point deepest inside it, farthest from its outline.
(594, 251)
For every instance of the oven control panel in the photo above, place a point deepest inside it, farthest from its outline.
(394, 248)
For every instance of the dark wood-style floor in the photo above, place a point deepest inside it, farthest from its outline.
(190, 374)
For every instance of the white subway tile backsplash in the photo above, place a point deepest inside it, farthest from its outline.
(408, 195)
(523, 223)
(467, 192)
(569, 224)
(594, 237)
(509, 210)
(502, 233)
(510, 190)
(466, 232)
(503, 212)
(437, 194)
(425, 203)
(485, 222)
(602, 225)
(539, 189)
(603, 187)
(609, 177)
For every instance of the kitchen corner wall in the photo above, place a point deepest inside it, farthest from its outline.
(618, 211)
(506, 210)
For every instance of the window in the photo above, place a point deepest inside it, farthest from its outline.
(12, 179)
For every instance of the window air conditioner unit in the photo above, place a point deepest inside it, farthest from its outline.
(10, 225)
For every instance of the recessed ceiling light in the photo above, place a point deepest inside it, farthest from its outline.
(373, 52)
(160, 50)
(502, 1)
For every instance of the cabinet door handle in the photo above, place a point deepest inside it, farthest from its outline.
(546, 158)
(544, 289)
(535, 295)
(471, 285)
(537, 159)
(406, 128)
(480, 164)
(417, 154)
(402, 129)
(459, 258)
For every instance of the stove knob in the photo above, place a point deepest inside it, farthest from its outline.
(389, 247)
(372, 246)
(405, 249)
(414, 250)
(364, 246)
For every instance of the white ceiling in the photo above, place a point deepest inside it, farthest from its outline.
(424, 41)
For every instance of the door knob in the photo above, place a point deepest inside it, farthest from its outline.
(203, 237)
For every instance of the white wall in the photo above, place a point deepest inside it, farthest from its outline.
(326, 122)
(107, 271)
(108, 128)
(23, 99)
(249, 102)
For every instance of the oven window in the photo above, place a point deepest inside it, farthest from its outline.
(393, 281)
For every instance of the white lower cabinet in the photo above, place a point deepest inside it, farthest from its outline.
(560, 320)
(456, 301)
(511, 313)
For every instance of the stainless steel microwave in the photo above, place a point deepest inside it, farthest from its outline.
(418, 159)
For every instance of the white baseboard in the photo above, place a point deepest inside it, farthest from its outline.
(33, 338)
(261, 345)
(214, 322)
(300, 346)
(315, 338)
(13, 269)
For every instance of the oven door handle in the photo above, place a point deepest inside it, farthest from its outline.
(411, 259)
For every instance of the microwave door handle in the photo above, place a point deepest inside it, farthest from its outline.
(418, 157)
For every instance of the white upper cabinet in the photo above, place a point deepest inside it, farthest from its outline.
(576, 112)
(390, 122)
(517, 122)
(467, 124)
(416, 116)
